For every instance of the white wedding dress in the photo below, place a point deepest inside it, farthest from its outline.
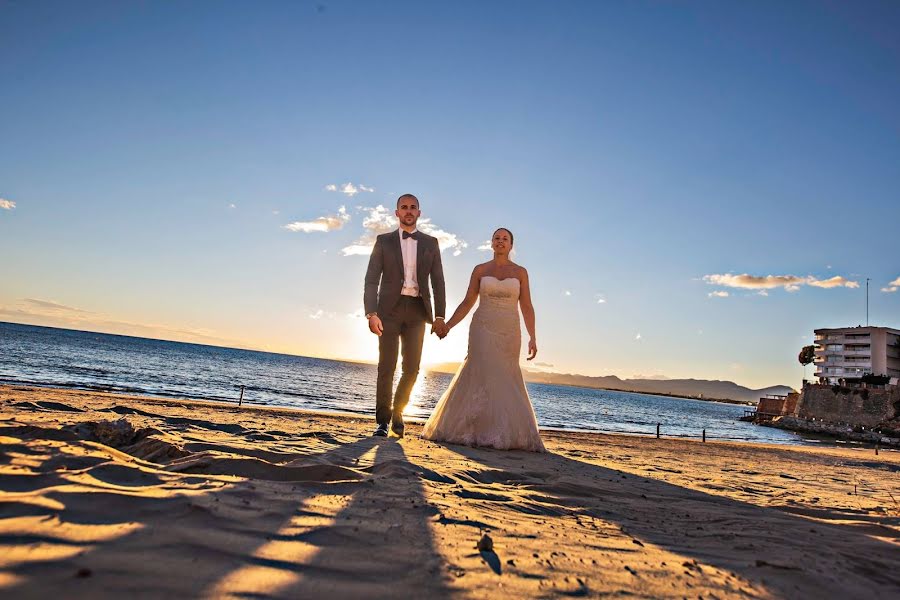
(487, 403)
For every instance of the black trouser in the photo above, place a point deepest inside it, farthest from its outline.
(404, 330)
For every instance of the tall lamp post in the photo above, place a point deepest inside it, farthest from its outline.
(867, 301)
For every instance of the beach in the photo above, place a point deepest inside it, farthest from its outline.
(108, 494)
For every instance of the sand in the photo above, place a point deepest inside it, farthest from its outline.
(105, 495)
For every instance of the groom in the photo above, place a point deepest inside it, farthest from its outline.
(398, 304)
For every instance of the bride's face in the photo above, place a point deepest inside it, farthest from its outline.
(501, 243)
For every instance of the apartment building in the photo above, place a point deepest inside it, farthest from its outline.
(850, 352)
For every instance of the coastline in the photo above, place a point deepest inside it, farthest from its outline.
(104, 494)
(530, 376)
(228, 402)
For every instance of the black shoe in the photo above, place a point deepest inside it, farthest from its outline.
(397, 425)
(381, 431)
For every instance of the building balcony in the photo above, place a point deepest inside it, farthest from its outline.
(826, 352)
(861, 352)
(832, 371)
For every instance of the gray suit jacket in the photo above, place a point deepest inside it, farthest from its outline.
(384, 277)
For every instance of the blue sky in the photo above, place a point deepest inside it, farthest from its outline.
(644, 154)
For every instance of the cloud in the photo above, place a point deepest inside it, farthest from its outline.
(762, 293)
(718, 294)
(348, 188)
(36, 311)
(601, 298)
(544, 365)
(7, 204)
(892, 286)
(638, 337)
(836, 281)
(485, 247)
(53, 307)
(380, 220)
(322, 224)
(790, 283)
(567, 293)
(446, 240)
(357, 314)
(232, 205)
(652, 377)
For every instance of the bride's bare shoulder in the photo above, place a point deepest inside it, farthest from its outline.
(481, 269)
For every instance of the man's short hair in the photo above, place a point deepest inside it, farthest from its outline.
(408, 196)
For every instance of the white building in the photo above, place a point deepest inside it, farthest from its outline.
(851, 352)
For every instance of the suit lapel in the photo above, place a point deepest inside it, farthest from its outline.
(399, 252)
(420, 253)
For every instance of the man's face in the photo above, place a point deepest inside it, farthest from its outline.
(408, 211)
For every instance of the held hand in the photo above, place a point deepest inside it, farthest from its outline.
(532, 349)
(439, 328)
(375, 325)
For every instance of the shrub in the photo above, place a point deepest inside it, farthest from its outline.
(870, 378)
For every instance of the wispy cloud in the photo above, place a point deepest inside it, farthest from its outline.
(348, 188)
(718, 294)
(380, 220)
(833, 282)
(601, 298)
(55, 314)
(446, 240)
(232, 205)
(485, 247)
(638, 337)
(790, 283)
(892, 286)
(652, 376)
(322, 224)
(7, 204)
(49, 306)
(567, 293)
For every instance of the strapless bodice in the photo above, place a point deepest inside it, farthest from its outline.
(500, 293)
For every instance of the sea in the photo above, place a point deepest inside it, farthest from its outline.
(64, 358)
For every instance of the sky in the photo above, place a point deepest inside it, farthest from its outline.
(693, 187)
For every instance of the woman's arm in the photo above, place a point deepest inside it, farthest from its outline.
(469, 301)
(527, 313)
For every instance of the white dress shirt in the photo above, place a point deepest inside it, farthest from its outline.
(409, 247)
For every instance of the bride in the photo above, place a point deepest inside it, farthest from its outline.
(487, 403)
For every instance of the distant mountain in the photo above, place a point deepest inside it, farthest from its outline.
(687, 388)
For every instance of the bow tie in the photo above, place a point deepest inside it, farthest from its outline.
(414, 235)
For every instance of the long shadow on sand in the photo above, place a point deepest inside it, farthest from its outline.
(380, 544)
(790, 555)
(201, 533)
